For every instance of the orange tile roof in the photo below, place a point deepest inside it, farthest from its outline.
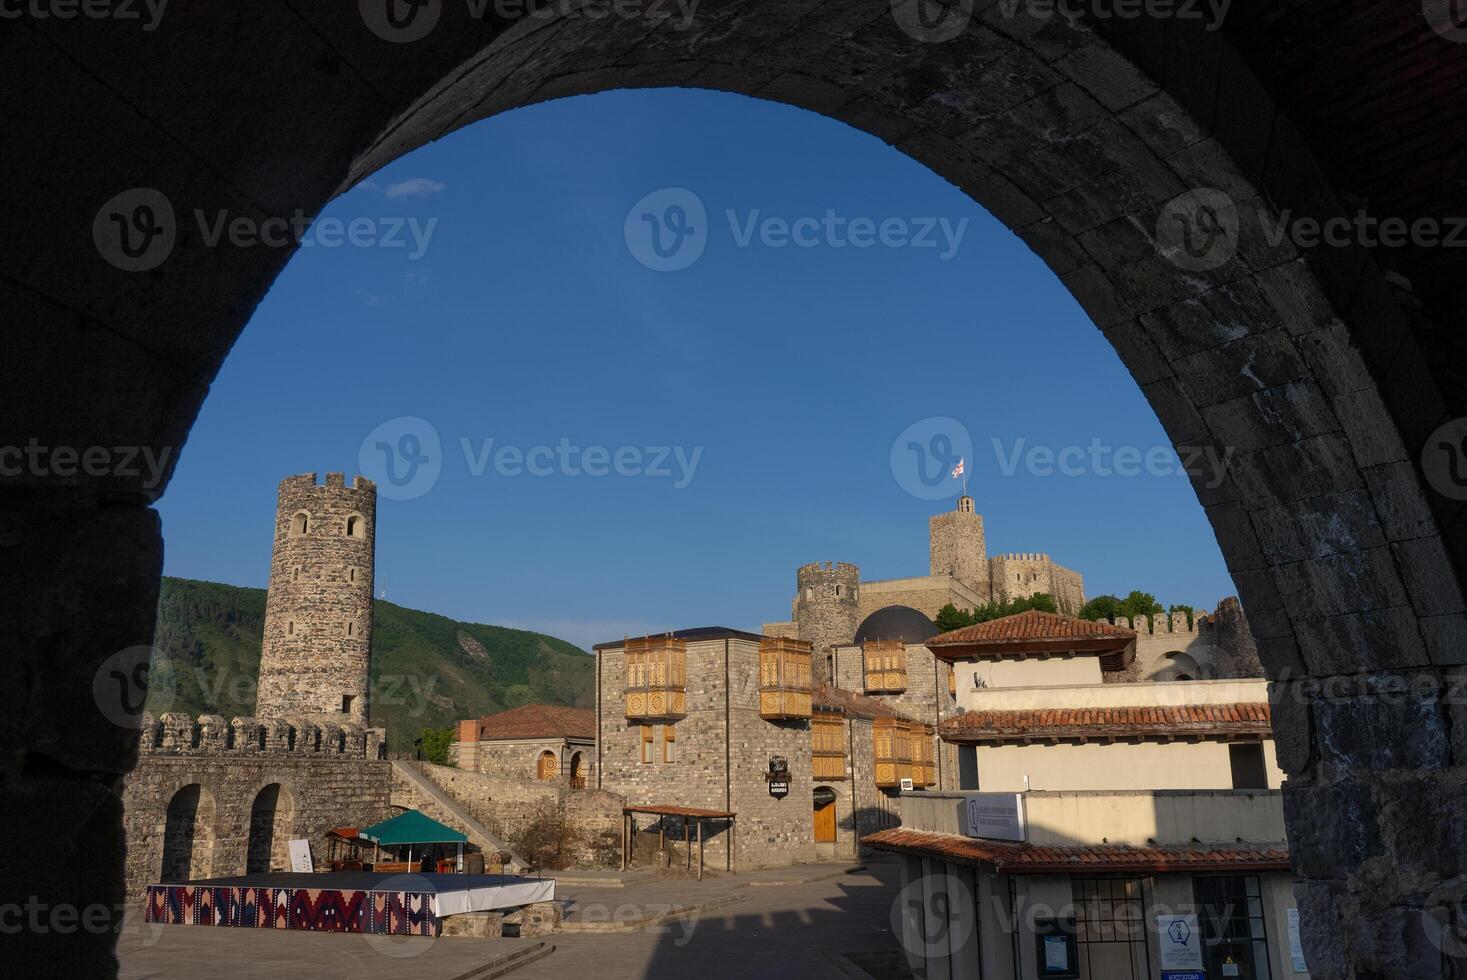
(539, 721)
(855, 705)
(1047, 859)
(1241, 718)
(1032, 625)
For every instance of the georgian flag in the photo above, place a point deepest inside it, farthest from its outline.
(958, 470)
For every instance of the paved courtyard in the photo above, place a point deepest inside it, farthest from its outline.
(794, 922)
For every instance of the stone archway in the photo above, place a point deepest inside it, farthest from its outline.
(189, 832)
(546, 766)
(1099, 148)
(272, 818)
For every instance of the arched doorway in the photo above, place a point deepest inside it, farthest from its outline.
(188, 835)
(269, 830)
(546, 767)
(578, 770)
(1073, 133)
(825, 815)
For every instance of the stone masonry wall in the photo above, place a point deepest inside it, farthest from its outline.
(926, 698)
(325, 779)
(723, 751)
(318, 612)
(508, 804)
(521, 758)
(1021, 575)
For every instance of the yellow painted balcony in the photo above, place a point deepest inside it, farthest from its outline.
(657, 678)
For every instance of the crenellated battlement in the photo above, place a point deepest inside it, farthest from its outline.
(1174, 624)
(815, 567)
(303, 480)
(1023, 556)
(175, 733)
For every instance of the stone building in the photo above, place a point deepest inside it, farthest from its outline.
(735, 723)
(679, 722)
(831, 600)
(316, 659)
(549, 742)
(1102, 831)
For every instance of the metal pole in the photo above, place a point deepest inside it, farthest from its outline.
(623, 841)
(700, 848)
(687, 842)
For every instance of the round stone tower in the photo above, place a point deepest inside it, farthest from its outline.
(826, 609)
(318, 614)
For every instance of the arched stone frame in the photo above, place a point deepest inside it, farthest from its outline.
(190, 833)
(354, 526)
(283, 817)
(578, 769)
(1328, 434)
(301, 524)
(547, 765)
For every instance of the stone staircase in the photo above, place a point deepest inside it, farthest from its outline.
(430, 798)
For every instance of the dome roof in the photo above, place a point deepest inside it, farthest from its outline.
(896, 623)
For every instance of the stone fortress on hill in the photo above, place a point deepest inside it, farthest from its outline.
(831, 601)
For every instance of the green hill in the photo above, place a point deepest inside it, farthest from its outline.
(427, 670)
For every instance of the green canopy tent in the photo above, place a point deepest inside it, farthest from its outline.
(410, 829)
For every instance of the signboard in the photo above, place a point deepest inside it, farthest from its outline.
(778, 777)
(779, 788)
(300, 856)
(994, 816)
(1180, 942)
(1296, 945)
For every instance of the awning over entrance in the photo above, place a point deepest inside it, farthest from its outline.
(689, 815)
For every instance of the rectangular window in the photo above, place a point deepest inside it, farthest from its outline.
(968, 767)
(646, 744)
(1249, 770)
(1110, 927)
(669, 743)
(1230, 913)
(346, 702)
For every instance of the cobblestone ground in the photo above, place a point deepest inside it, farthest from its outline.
(777, 923)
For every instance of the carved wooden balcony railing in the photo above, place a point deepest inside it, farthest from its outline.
(657, 678)
(784, 678)
(886, 666)
(903, 751)
(828, 746)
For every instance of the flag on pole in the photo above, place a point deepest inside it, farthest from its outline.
(958, 470)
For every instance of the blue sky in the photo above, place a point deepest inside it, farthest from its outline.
(786, 372)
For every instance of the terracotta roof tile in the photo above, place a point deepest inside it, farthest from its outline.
(1032, 625)
(1046, 859)
(539, 721)
(855, 705)
(1245, 718)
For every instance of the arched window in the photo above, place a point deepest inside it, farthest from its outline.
(351, 628)
(546, 768)
(264, 829)
(356, 526)
(300, 524)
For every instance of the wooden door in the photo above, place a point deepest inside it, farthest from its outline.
(825, 823)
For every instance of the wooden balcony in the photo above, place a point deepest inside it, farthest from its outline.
(657, 679)
(784, 678)
(903, 750)
(828, 746)
(885, 666)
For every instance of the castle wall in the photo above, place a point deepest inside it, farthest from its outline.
(327, 777)
(1017, 576)
(316, 655)
(927, 594)
(723, 751)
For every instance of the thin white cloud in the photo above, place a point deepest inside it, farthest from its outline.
(413, 187)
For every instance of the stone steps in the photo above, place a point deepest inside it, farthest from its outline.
(508, 963)
(455, 813)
